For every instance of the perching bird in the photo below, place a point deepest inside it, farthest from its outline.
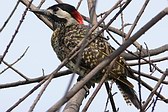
(69, 31)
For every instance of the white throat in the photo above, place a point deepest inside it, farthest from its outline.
(63, 14)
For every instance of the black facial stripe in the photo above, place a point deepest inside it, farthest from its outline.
(57, 19)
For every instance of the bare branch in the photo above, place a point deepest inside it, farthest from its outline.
(46, 21)
(17, 71)
(24, 97)
(154, 104)
(34, 80)
(10, 65)
(152, 52)
(111, 97)
(79, 3)
(41, 3)
(152, 61)
(139, 79)
(75, 102)
(154, 90)
(58, 1)
(78, 101)
(7, 20)
(49, 78)
(92, 13)
(137, 19)
(148, 76)
(150, 89)
(16, 31)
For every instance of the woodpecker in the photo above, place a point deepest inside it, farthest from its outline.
(69, 30)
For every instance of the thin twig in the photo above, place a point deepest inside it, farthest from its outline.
(150, 88)
(58, 1)
(111, 97)
(15, 61)
(136, 55)
(153, 52)
(41, 3)
(116, 15)
(152, 61)
(17, 71)
(7, 20)
(136, 21)
(157, 68)
(147, 50)
(45, 20)
(150, 104)
(16, 31)
(28, 94)
(34, 80)
(122, 21)
(49, 78)
(79, 3)
(124, 25)
(139, 80)
(154, 104)
(148, 76)
(154, 90)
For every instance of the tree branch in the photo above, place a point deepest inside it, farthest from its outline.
(34, 80)
(146, 53)
(154, 90)
(75, 102)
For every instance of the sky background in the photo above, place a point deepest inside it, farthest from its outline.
(36, 35)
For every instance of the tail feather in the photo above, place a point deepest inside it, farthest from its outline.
(129, 94)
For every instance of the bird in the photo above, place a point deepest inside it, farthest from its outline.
(69, 31)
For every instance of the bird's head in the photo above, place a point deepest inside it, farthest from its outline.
(61, 14)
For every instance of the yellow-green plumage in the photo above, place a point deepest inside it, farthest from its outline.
(64, 39)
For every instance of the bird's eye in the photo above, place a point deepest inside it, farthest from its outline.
(56, 9)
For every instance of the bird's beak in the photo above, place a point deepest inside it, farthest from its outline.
(41, 12)
(51, 17)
